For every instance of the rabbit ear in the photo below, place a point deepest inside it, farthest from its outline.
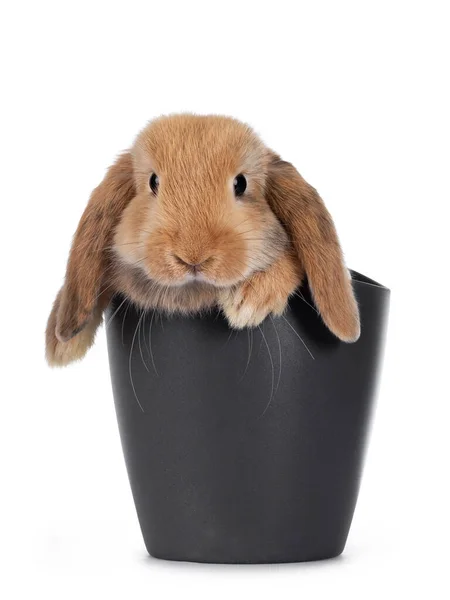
(88, 261)
(310, 226)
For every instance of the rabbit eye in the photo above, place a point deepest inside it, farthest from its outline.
(240, 185)
(154, 183)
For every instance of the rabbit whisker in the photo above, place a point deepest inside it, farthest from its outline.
(300, 295)
(124, 318)
(150, 343)
(139, 340)
(250, 348)
(244, 232)
(104, 290)
(273, 371)
(299, 337)
(125, 244)
(129, 366)
(138, 261)
(115, 313)
(280, 354)
(226, 225)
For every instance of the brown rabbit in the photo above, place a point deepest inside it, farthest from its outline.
(198, 214)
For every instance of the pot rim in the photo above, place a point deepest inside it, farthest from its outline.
(364, 280)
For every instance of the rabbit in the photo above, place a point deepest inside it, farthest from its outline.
(199, 213)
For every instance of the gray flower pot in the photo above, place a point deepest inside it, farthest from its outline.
(249, 450)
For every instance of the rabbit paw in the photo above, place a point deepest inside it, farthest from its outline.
(244, 307)
(261, 294)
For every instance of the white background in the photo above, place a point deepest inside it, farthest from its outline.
(356, 94)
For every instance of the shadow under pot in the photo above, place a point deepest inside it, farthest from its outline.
(245, 446)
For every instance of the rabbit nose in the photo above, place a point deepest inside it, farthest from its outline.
(189, 263)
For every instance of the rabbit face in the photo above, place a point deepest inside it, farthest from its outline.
(199, 214)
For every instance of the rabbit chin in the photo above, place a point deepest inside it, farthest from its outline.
(198, 280)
